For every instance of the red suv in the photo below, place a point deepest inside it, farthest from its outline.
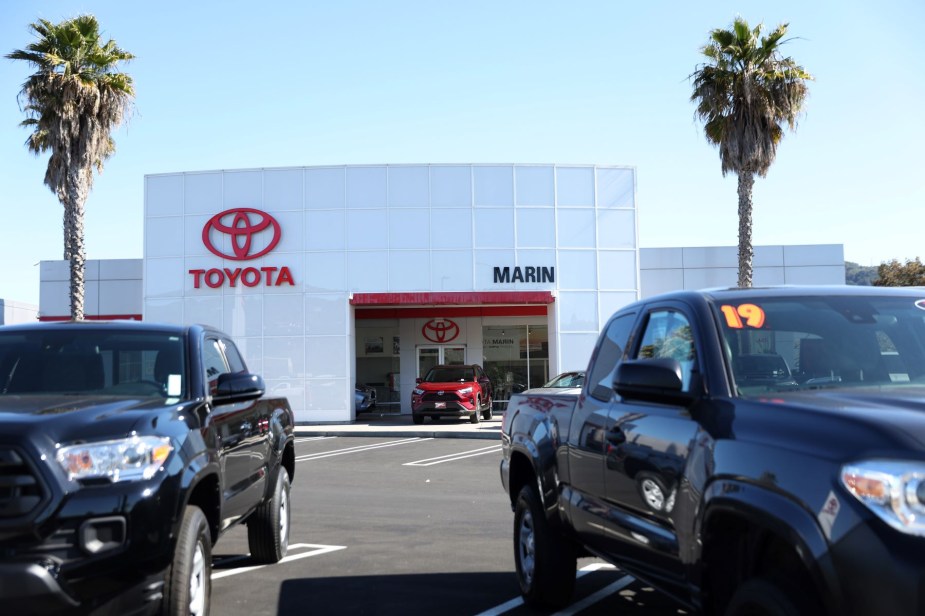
(452, 391)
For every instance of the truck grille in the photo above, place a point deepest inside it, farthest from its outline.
(447, 396)
(21, 489)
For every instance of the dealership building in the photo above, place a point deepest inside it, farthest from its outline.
(331, 276)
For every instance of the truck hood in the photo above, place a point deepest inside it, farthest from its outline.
(880, 418)
(65, 418)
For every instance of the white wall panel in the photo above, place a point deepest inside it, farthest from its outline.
(710, 256)
(326, 271)
(767, 276)
(164, 237)
(450, 228)
(617, 269)
(325, 188)
(408, 228)
(534, 185)
(658, 281)
(367, 229)
(283, 190)
(494, 186)
(409, 186)
(486, 261)
(164, 310)
(326, 314)
(536, 227)
(164, 277)
(409, 270)
(578, 311)
(326, 356)
(616, 229)
(577, 269)
(450, 270)
(575, 186)
(117, 297)
(243, 189)
(576, 350)
(366, 187)
(283, 356)
(821, 274)
(661, 258)
(325, 230)
(283, 315)
(450, 186)
(202, 194)
(822, 254)
(615, 188)
(243, 314)
(494, 228)
(576, 228)
(367, 272)
(702, 278)
(204, 310)
(164, 195)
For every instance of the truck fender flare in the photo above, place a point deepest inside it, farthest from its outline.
(784, 517)
(546, 483)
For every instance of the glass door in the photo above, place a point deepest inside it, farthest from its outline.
(430, 356)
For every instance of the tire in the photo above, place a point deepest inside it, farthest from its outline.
(763, 597)
(545, 560)
(188, 582)
(417, 419)
(653, 492)
(268, 527)
(474, 417)
(487, 414)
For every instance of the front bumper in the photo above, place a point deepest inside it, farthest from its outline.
(100, 549)
(443, 408)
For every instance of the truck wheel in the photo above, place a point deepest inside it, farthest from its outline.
(762, 597)
(268, 527)
(188, 585)
(545, 560)
(418, 419)
(474, 416)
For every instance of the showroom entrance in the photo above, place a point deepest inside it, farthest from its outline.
(399, 336)
(429, 356)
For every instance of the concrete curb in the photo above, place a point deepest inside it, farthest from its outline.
(400, 426)
(315, 431)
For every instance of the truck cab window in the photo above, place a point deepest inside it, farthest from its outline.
(609, 354)
(668, 334)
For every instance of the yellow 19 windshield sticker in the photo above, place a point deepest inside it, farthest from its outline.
(753, 315)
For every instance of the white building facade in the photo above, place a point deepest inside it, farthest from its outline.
(331, 276)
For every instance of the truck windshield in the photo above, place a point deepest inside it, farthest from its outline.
(92, 361)
(449, 374)
(814, 342)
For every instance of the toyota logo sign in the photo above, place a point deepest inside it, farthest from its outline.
(440, 330)
(247, 229)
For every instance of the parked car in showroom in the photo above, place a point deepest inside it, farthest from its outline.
(452, 391)
(365, 397)
(564, 383)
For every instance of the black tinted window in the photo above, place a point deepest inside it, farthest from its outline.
(608, 354)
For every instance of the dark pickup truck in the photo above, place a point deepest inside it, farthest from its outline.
(126, 450)
(745, 451)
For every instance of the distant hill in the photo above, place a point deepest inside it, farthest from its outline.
(861, 275)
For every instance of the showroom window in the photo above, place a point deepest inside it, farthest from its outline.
(377, 355)
(516, 358)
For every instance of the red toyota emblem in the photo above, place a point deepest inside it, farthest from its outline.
(245, 224)
(440, 330)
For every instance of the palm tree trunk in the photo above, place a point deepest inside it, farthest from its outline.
(74, 242)
(746, 182)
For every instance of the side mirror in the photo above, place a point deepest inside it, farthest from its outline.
(653, 380)
(238, 387)
(418, 380)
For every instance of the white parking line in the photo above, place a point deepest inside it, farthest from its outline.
(452, 457)
(362, 448)
(618, 585)
(305, 439)
(317, 551)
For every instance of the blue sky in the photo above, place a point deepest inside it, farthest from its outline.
(228, 85)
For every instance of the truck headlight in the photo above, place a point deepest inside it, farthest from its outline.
(465, 391)
(138, 457)
(895, 491)
(417, 392)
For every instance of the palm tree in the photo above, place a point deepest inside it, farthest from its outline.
(744, 92)
(73, 101)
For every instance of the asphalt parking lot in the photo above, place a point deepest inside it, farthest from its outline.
(401, 525)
